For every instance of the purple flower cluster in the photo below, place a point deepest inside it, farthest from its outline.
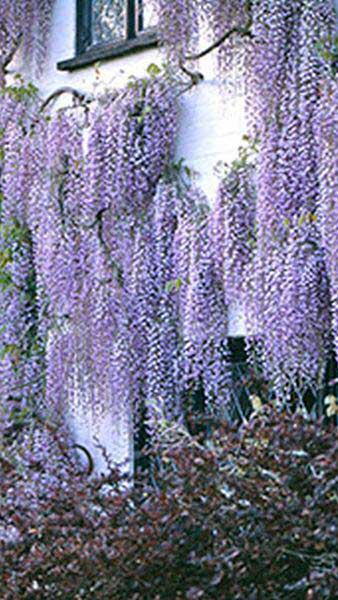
(288, 294)
(100, 245)
(131, 272)
(271, 228)
(183, 23)
(327, 139)
(178, 24)
(233, 227)
(27, 22)
(20, 347)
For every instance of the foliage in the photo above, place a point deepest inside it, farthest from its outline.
(248, 514)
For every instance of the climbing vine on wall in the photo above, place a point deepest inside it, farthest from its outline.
(116, 282)
(128, 301)
(286, 53)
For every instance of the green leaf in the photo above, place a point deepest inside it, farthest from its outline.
(153, 70)
(5, 280)
(173, 285)
(8, 349)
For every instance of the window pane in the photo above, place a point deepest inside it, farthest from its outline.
(149, 18)
(108, 20)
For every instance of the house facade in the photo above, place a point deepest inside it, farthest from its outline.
(91, 51)
(210, 131)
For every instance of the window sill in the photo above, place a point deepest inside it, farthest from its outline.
(148, 39)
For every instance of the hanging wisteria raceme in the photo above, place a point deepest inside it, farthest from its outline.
(211, 312)
(24, 22)
(288, 70)
(230, 22)
(161, 391)
(143, 290)
(130, 141)
(19, 354)
(87, 235)
(204, 362)
(178, 24)
(279, 48)
(327, 140)
(233, 224)
(136, 140)
(295, 351)
(53, 255)
(183, 24)
(21, 346)
(75, 277)
(86, 204)
(179, 317)
(141, 144)
(124, 271)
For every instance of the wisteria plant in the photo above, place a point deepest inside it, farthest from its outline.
(117, 278)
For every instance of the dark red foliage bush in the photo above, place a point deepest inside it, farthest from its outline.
(247, 514)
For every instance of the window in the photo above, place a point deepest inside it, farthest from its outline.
(108, 28)
(105, 21)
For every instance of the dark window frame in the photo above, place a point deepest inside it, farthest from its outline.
(136, 39)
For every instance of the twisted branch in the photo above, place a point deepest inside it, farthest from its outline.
(242, 31)
(88, 456)
(78, 96)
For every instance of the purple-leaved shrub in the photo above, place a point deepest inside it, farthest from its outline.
(250, 514)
